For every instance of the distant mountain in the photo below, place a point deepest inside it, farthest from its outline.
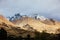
(28, 25)
(42, 18)
(15, 17)
(49, 25)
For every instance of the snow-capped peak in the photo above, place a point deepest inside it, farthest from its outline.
(42, 18)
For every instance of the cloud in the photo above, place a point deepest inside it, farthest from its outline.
(48, 8)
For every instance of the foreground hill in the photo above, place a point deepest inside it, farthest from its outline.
(4, 20)
(12, 29)
(28, 25)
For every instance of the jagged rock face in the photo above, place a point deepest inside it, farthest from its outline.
(49, 25)
(28, 27)
(42, 18)
(49, 22)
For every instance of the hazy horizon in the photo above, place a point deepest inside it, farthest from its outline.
(47, 8)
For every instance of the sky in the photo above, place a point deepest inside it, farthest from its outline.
(47, 8)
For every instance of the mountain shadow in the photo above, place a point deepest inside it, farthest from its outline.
(37, 35)
(3, 34)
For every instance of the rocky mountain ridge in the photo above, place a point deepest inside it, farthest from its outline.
(28, 24)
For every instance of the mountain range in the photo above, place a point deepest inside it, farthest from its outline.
(25, 25)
